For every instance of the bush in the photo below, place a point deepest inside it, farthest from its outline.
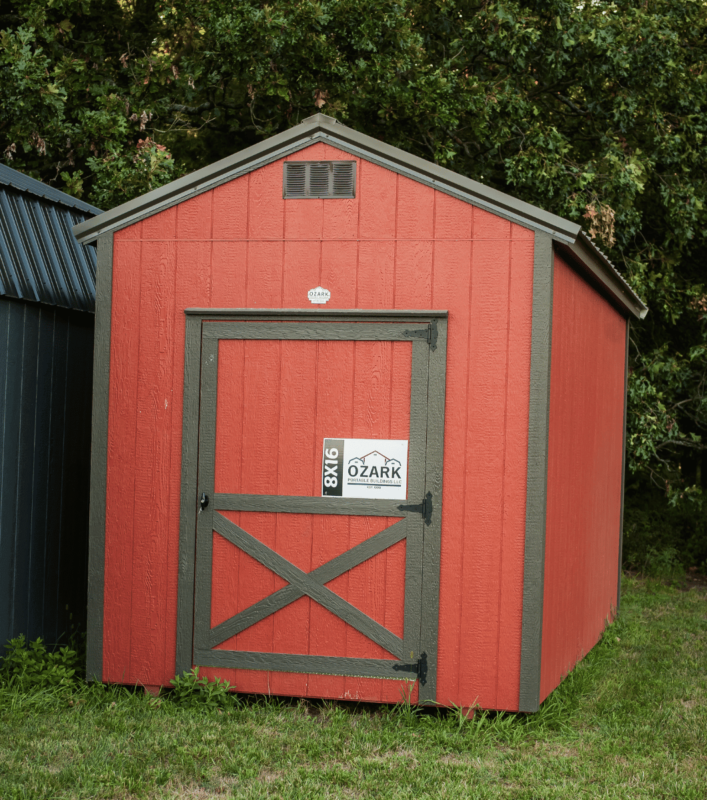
(30, 665)
(662, 540)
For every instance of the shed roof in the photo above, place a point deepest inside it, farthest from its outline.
(322, 128)
(40, 259)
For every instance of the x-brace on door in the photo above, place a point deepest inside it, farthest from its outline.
(213, 518)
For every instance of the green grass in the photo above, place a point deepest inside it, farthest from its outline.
(629, 722)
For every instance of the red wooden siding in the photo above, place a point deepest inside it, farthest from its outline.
(584, 473)
(399, 244)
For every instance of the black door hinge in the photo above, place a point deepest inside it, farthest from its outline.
(424, 508)
(419, 668)
(430, 334)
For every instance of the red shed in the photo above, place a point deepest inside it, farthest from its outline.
(358, 420)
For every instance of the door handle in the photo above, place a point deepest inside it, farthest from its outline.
(203, 501)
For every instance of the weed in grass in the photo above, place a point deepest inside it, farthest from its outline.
(190, 690)
(462, 714)
(406, 710)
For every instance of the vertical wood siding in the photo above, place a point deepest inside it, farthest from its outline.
(397, 245)
(584, 473)
(45, 429)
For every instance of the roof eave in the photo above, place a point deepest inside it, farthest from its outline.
(590, 259)
(323, 128)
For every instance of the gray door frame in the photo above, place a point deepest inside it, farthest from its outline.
(420, 521)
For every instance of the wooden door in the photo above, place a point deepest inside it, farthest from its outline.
(287, 580)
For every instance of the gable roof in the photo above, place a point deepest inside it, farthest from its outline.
(322, 128)
(40, 259)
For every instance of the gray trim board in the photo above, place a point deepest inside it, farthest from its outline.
(327, 572)
(319, 315)
(306, 585)
(187, 512)
(310, 665)
(99, 458)
(429, 626)
(536, 498)
(623, 473)
(595, 267)
(257, 329)
(286, 504)
(421, 530)
(320, 127)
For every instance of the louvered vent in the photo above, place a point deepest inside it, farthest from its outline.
(319, 179)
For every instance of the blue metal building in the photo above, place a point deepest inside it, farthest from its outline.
(47, 295)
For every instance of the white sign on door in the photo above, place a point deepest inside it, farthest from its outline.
(371, 468)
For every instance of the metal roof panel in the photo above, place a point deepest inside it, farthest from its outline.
(40, 259)
(23, 183)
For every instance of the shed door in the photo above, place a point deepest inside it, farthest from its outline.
(288, 580)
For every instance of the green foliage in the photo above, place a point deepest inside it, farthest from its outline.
(29, 665)
(659, 535)
(121, 177)
(596, 111)
(190, 690)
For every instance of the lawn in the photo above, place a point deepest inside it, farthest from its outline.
(629, 722)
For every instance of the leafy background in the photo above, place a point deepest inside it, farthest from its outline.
(595, 111)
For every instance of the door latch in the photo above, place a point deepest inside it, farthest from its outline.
(203, 501)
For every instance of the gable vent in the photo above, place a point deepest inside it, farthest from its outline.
(308, 179)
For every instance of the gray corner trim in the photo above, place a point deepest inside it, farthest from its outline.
(536, 499)
(99, 458)
(320, 315)
(623, 473)
(187, 509)
(429, 627)
(595, 266)
(321, 128)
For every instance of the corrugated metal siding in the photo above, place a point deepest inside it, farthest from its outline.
(40, 258)
(45, 451)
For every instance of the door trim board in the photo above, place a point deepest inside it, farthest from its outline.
(195, 340)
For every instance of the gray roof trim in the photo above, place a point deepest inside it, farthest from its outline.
(23, 183)
(203, 180)
(323, 128)
(585, 254)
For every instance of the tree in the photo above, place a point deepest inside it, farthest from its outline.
(595, 111)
